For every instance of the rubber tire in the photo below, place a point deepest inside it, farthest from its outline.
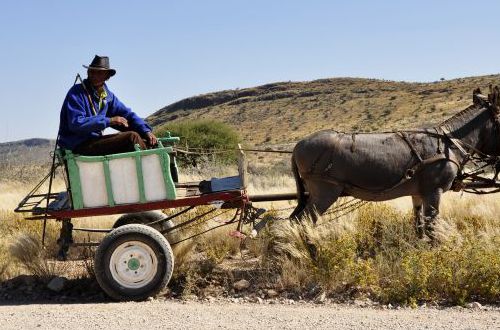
(142, 218)
(145, 218)
(133, 232)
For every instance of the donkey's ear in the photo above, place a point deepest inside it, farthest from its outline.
(478, 98)
(494, 98)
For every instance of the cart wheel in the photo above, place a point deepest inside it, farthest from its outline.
(133, 262)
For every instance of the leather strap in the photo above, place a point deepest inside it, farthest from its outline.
(455, 141)
(412, 147)
(88, 95)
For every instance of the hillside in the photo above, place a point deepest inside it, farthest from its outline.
(25, 160)
(284, 112)
(34, 151)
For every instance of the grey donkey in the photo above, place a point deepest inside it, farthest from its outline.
(421, 163)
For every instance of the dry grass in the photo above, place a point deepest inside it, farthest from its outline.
(20, 246)
(373, 252)
(370, 253)
(379, 256)
(28, 252)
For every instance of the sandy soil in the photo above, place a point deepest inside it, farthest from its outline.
(226, 315)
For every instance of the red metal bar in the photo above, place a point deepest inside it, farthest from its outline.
(236, 198)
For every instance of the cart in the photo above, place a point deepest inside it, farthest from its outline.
(134, 261)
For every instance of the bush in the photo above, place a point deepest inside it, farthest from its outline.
(381, 257)
(28, 251)
(210, 138)
(20, 246)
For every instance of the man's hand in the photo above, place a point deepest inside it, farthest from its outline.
(151, 138)
(118, 121)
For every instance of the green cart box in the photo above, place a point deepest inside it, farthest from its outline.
(128, 178)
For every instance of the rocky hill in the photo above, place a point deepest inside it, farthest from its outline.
(33, 151)
(25, 160)
(284, 112)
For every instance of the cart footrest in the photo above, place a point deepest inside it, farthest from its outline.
(61, 202)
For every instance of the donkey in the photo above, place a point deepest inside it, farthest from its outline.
(420, 163)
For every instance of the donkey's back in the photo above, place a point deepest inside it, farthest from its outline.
(374, 162)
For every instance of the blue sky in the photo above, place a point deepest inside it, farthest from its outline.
(165, 50)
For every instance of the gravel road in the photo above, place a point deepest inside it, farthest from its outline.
(225, 315)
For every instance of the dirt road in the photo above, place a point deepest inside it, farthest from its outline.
(195, 315)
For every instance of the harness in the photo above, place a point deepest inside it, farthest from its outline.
(438, 157)
(473, 181)
(441, 132)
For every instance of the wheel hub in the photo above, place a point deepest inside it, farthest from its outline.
(133, 264)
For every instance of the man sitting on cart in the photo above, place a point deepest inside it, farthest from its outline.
(90, 107)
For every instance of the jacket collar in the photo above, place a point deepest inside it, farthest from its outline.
(92, 90)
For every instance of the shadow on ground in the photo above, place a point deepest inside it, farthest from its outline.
(26, 289)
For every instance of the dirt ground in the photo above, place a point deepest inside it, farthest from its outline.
(169, 314)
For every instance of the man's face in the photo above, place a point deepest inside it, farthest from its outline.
(97, 77)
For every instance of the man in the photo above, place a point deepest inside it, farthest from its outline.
(90, 107)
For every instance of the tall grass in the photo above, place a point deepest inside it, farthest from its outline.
(20, 246)
(380, 257)
(372, 252)
(28, 252)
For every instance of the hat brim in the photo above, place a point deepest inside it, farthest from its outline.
(111, 71)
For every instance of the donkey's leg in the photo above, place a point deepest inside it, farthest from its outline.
(321, 196)
(299, 209)
(417, 212)
(431, 211)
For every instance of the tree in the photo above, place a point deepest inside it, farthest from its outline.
(205, 136)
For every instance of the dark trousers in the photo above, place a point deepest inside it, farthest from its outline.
(111, 144)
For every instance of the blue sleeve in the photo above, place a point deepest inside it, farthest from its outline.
(77, 119)
(136, 123)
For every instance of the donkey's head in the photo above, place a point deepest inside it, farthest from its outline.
(491, 137)
(492, 101)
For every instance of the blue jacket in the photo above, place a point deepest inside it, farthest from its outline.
(78, 122)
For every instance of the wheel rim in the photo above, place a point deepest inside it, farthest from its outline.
(133, 264)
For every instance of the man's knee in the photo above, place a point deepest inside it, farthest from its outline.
(132, 136)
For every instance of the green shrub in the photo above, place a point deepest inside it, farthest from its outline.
(211, 138)
(380, 256)
(454, 273)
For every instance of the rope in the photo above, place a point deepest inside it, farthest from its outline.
(195, 223)
(226, 150)
(343, 209)
(200, 233)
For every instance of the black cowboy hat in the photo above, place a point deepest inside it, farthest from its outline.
(101, 63)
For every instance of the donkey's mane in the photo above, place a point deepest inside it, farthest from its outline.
(463, 116)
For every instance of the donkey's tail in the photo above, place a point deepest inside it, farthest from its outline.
(301, 191)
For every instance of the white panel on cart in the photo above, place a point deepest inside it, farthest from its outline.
(124, 183)
(93, 184)
(154, 183)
